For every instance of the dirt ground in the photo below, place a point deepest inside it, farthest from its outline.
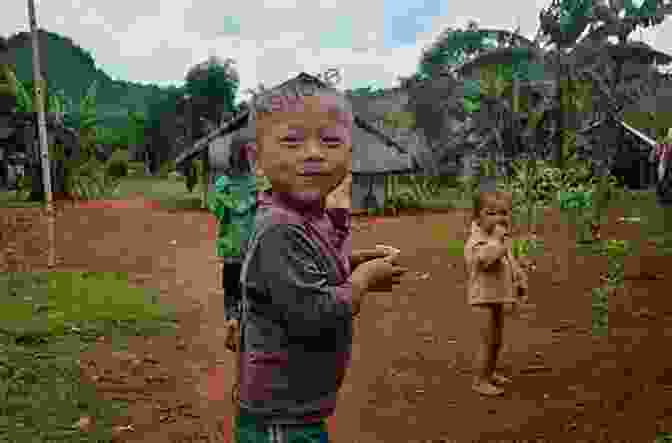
(410, 377)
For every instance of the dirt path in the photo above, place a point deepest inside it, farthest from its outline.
(410, 377)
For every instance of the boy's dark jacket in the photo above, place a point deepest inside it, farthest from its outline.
(297, 316)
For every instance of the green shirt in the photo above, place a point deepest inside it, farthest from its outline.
(234, 203)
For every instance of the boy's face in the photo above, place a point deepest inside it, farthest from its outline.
(495, 212)
(305, 150)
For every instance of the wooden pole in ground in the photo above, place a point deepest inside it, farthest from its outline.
(235, 391)
(42, 133)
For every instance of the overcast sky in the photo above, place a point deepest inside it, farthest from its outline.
(371, 41)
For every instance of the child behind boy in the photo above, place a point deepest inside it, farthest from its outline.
(496, 282)
(299, 290)
(234, 204)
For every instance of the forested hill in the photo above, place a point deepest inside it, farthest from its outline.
(70, 68)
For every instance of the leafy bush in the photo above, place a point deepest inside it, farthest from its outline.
(117, 168)
(547, 184)
(404, 199)
(577, 199)
(194, 173)
(166, 168)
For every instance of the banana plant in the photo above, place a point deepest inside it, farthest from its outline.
(86, 176)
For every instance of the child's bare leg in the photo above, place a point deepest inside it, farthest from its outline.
(498, 328)
(484, 365)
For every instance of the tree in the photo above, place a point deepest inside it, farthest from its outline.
(585, 25)
(453, 47)
(8, 82)
(162, 125)
(212, 86)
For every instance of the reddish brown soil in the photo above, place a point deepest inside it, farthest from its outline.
(413, 347)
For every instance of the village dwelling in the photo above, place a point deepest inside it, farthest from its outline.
(375, 155)
(19, 144)
(631, 164)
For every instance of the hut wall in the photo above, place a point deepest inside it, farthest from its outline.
(362, 185)
(218, 152)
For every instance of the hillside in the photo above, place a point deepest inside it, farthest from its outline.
(70, 68)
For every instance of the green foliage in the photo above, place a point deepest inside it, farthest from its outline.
(526, 247)
(455, 248)
(546, 183)
(600, 311)
(452, 48)
(404, 198)
(400, 120)
(24, 187)
(85, 175)
(615, 251)
(24, 98)
(571, 11)
(137, 124)
(166, 168)
(213, 86)
(194, 174)
(117, 168)
(663, 437)
(575, 199)
(367, 91)
(535, 185)
(467, 187)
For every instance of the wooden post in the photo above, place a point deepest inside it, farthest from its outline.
(205, 175)
(42, 132)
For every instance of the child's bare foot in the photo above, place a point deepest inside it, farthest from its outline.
(486, 388)
(500, 379)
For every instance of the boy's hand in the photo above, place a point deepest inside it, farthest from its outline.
(381, 274)
(392, 252)
(364, 255)
(232, 333)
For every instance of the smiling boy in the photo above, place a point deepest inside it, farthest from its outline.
(300, 292)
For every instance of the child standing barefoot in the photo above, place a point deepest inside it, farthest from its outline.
(496, 283)
(299, 290)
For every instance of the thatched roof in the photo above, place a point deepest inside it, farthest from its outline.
(373, 151)
(372, 155)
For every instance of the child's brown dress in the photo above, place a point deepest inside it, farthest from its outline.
(497, 284)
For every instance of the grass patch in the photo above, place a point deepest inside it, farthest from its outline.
(655, 220)
(47, 320)
(171, 192)
(8, 200)
(455, 248)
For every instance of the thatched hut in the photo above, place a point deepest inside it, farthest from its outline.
(630, 156)
(19, 139)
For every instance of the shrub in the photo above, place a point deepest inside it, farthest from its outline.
(166, 168)
(117, 168)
